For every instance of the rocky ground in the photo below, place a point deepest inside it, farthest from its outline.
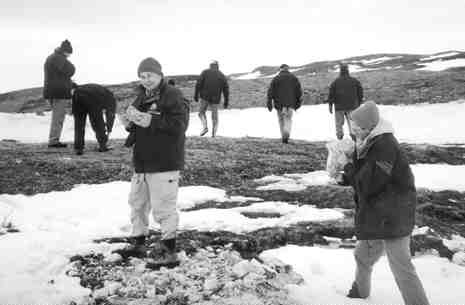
(233, 165)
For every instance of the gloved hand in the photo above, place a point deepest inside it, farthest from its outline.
(330, 108)
(139, 118)
(196, 99)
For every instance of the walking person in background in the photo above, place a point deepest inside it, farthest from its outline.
(385, 202)
(58, 71)
(210, 85)
(158, 119)
(285, 92)
(93, 100)
(346, 94)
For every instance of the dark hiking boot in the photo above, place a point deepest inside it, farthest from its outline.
(163, 255)
(353, 292)
(285, 140)
(136, 248)
(79, 152)
(103, 148)
(57, 145)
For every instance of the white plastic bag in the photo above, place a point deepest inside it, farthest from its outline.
(339, 154)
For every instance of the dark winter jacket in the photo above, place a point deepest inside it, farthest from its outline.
(285, 91)
(58, 71)
(93, 99)
(345, 93)
(210, 85)
(383, 182)
(160, 147)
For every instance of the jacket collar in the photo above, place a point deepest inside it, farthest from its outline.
(382, 127)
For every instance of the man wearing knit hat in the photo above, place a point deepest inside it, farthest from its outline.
(158, 120)
(385, 201)
(346, 94)
(58, 71)
(210, 85)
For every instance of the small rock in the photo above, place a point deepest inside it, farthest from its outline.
(113, 258)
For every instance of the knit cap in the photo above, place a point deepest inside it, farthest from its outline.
(149, 64)
(66, 46)
(366, 115)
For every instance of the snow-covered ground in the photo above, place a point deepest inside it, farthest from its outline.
(433, 124)
(328, 280)
(440, 65)
(440, 55)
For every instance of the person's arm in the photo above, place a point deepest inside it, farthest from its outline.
(175, 120)
(226, 92)
(359, 92)
(376, 173)
(269, 103)
(110, 111)
(331, 96)
(199, 86)
(298, 89)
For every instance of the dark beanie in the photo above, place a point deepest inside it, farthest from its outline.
(366, 115)
(149, 64)
(66, 46)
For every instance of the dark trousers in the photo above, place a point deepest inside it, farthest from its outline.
(97, 123)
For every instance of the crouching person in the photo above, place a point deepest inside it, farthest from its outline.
(385, 198)
(158, 119)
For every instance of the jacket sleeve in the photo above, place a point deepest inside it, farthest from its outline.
(198, 86)
(332, 93)
(175, 119)
(269, 102)
(376, 173)
(359, 92)
(226, 91)
(298, 89)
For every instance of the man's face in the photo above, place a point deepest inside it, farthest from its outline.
(149, 80)
(359, 132)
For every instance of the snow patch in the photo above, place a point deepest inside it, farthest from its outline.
(440, 55)
(443, 64)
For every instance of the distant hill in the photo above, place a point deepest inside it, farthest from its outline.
(386, 78)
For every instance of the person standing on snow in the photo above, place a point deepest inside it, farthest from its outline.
(210, 85)
(93, 100)
(346, 94)
(385, 202)
(58, 71)
(285, 92)
(158, 118)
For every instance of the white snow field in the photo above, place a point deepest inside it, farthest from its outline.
(423, 123)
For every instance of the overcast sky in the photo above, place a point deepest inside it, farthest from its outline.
(110, 37)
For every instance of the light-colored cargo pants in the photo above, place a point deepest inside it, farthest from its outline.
(158, 193)
(285, 121)
(340, 116)
(368, 252)
(204, 105)
(58, 117)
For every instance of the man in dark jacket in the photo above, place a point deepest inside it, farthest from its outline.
(286, 93)
(58, 71)
(210, 85)
(158, 118)
(346, 94)
(93, 100)
(385, 200)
